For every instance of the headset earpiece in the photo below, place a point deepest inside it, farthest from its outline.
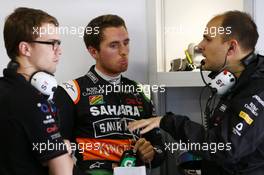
(44, 82)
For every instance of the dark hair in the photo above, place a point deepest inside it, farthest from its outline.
(19, 27)
(101, 22)
(243, 28)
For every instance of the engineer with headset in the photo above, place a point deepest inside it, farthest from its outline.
(235, 125)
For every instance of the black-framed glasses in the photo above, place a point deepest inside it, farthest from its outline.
(55, 43)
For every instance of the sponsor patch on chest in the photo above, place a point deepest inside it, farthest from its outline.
(116, 110)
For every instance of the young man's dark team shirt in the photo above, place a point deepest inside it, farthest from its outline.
(29, 128)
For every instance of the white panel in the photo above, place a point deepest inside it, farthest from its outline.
(185, 21)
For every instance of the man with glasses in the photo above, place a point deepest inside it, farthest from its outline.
(55, 43)
(29, 127)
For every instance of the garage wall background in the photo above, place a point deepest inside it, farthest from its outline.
(75, 60)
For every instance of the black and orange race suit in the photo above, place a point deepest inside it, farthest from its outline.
(95, 115)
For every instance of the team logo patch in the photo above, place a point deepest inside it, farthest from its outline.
(96, 100)
(246, 117)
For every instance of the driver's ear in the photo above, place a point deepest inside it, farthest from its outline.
(93, 52)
